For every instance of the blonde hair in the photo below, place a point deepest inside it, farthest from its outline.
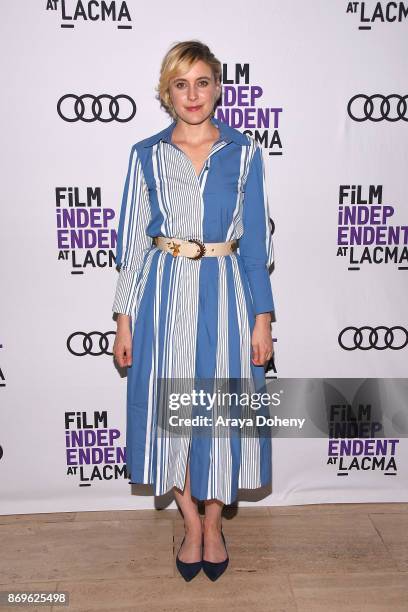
(178, 60)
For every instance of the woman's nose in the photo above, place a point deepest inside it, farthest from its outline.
(192, 93)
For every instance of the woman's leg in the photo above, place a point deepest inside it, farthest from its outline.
(191, 549)
(214, 549)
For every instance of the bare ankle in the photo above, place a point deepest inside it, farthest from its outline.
(212, 524)
(192, 524)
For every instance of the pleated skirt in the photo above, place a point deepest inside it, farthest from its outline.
(193, 319)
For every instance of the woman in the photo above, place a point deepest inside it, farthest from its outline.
(193, 295)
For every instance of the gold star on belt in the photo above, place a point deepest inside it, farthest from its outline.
(175, 248)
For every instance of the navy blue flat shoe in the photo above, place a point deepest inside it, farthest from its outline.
(214, 570)
(188, 570)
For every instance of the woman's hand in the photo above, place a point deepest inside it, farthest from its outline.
(122, 347)
(262, 344)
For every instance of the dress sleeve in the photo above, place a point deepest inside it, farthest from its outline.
(255, 245)
(132, 241)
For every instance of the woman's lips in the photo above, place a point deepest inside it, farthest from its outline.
(193, 108)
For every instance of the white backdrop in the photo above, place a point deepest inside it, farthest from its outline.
(308, 60)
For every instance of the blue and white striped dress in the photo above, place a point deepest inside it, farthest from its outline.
(193, 318)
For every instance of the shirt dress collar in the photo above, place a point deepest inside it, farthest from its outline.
(227, 134)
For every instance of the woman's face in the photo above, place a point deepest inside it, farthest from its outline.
(194, 93)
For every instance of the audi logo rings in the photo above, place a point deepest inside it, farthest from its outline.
(365, 111)
(78, 349)
(352, 338)
(76, 109)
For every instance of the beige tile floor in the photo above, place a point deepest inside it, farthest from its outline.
(331, 557)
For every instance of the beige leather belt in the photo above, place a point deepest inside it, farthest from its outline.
(194, 248)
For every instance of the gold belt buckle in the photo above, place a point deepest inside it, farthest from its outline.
(200, 245)
(175, 248)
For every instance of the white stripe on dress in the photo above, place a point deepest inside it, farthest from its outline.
(135, 242)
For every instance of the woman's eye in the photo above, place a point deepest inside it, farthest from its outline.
(181, 85)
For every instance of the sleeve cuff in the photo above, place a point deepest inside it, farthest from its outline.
(124, 295)
(261, 290)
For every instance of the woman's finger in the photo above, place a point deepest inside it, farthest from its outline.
(255, 353)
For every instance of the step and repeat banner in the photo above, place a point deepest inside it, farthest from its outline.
(322, 86)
